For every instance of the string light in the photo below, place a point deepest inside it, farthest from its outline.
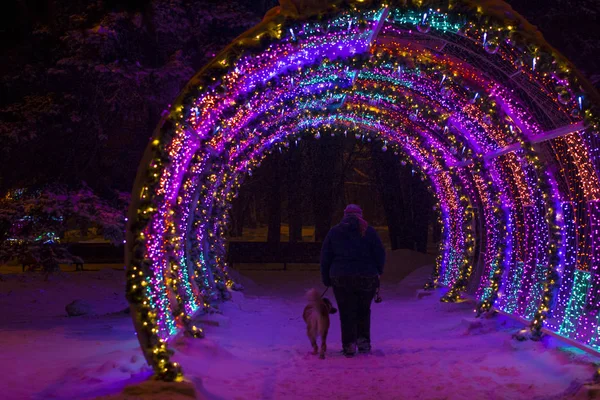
(530, 214)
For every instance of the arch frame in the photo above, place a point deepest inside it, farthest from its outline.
(181, 135)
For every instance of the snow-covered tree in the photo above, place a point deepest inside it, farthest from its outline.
(84, 87)
(34, 225)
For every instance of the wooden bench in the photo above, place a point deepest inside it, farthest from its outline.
(32, 264)
(90, 253)
(264, 253)
(97, 253)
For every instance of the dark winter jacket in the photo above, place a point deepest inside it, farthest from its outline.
(346, 252)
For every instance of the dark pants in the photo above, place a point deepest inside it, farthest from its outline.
(353, 297)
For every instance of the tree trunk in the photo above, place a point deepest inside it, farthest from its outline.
(406, 174)
(274, 200)
(252, 215)
(422, 215)
(323, 176)
(294, 184)
(237, 213)
(389, 184)
(347, 163)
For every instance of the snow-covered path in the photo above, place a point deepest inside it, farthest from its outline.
(423, 349)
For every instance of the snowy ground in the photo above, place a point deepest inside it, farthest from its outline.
(424, 349)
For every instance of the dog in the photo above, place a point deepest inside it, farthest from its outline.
(316, 316)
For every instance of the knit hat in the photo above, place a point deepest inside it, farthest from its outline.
(353, 209)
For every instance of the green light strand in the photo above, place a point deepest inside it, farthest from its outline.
(536, 292)
(576, 304)
(511, 294)
(434, 19)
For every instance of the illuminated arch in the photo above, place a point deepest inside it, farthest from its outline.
(501, 126)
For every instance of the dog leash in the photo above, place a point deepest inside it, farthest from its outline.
(378, 298)
(325, 292)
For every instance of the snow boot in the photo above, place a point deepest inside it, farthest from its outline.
(349, 350)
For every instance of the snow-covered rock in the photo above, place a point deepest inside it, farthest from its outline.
(78, 307)
(424, 293)
(214, 320)
(471, 323)
(237, 297)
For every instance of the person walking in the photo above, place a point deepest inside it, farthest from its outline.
(352, 259)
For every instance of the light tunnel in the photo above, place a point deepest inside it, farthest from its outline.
(502, 128)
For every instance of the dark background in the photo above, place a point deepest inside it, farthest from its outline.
(83, 85)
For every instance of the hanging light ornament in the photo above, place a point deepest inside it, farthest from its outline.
(424, 26)
(564, 97)
(491, 46)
